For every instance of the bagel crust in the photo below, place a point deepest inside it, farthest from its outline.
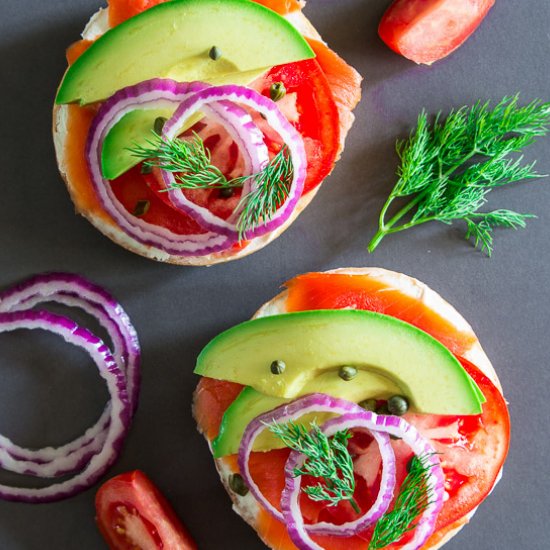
(247, 507)
(98, 25)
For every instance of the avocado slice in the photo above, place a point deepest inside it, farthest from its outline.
(312, 343)
(174, 39)
(251, 403)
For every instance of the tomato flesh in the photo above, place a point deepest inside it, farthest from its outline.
(133, 515)
(425, 31)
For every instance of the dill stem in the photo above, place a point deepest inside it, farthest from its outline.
(354, 505)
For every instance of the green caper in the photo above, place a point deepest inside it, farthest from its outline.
(278, 367)
(159, 125)
(237, 484)
(226, 192)
(215, 53)
(368, 404)
(277, 91)
(141, 208)
(347, 373)
(382, 409)
(398, 405)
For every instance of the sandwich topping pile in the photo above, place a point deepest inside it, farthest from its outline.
(195, 131)
(352, 413)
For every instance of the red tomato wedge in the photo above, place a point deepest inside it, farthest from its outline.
(133, 515)
(473, 448)
(427, 30)
(317, 114)
(338, 291)
(121, 10)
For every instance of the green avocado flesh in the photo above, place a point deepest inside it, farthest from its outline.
(391, 358)
(251, 403)
(312, 343)
(174, 39)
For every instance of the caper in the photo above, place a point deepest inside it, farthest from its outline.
(146, 169)
(237, 484)
(398, 405)
(278, 367)
(368, 404)
(215, 53)
(226, 192)
(159, 125)
(347, 373)
(141, 208)
(277, 91)
(382, 409)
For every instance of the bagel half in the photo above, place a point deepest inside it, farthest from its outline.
(92, 210)
(247, 507)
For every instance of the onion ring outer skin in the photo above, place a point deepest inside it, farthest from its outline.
(119, 411)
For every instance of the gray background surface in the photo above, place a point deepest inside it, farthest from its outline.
(49, 392)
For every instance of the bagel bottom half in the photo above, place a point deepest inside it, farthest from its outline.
(247, 507)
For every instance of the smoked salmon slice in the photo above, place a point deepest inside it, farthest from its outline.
(339, 291)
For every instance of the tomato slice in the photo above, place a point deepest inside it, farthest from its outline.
(315, 114)
(133, 515)
(427, 30)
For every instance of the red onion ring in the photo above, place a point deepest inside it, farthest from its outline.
(352, 416)
(73, 291)
(318, 403)
(265, 106)
(119, 415)
(152, 94)
(393, 425)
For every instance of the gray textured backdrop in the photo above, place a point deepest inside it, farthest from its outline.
(45, 399)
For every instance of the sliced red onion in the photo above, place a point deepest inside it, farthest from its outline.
(73, 291)
(352, 416)
(292, 411)
(152, 94)
(392, 425)
(119, 414)
(248, 136)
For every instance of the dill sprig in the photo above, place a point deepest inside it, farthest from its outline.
(326, 458)
(447, 169)
(411, 501)
(190, 161)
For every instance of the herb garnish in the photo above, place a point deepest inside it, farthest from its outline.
(448, 169)
(190, 161)
(412, 500)
(327, 459)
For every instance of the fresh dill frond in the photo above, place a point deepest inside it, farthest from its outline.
(448, 168)
(190, 161)
(411, 501)
(326, 458)
(272, 186)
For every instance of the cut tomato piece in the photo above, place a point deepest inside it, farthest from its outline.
(427, 30)
(133, 515)
(316, 115)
